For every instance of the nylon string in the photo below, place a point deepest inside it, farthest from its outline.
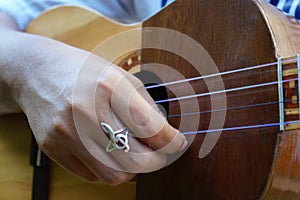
(225, 91)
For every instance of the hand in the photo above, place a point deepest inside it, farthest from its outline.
(66, 92)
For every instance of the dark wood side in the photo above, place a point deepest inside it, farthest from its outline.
(235, 35)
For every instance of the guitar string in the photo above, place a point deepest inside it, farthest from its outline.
(223, 91)
(234, 108)
(240, 128)
(220, 74)
(228, 109)
(237, 127)
(213, 75)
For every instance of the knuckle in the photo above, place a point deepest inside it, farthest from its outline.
(139, 118)
(57, 131)
(109, 80)
(69, 107)
(105, 86)
(60, 131)
(61, 118)
(46, 144)
(147, 125)
(137, 82)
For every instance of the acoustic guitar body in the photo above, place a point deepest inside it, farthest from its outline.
(245, 163)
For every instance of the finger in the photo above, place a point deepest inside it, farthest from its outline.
(92, 142)
(144, 120)
(95, 171)
(140, 158)
(142, 90)
(93, 146)
(75, 166)
(78, 168)
(107, 173)
(86, 166)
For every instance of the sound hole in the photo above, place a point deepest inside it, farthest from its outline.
(157, 93)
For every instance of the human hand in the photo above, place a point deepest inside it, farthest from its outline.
(65, 104)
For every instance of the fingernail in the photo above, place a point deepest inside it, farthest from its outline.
(184, 145)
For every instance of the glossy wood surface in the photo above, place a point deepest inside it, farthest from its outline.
(284, 178)
(244, 165)
(284, 182)
(76, 26)
(236, 34)
(285, 30)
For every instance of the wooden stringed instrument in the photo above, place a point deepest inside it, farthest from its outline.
(253, 158)
(257, 154)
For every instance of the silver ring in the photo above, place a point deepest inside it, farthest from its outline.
(117, 139)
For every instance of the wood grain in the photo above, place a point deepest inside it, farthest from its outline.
(236, 34)
(260, 163)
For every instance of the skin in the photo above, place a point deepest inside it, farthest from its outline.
(41, 74)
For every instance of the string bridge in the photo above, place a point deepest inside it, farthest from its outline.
(288, 92)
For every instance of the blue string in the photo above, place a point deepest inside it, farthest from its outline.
(239, 128)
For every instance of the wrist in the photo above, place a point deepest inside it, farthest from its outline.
(26, 62)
